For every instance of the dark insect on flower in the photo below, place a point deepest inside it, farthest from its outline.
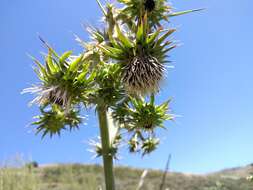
(149, 5)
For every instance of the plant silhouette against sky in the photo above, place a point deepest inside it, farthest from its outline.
(118, 74)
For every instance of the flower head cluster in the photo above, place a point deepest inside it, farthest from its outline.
(65, 82)
(119, 69)
(141, 119)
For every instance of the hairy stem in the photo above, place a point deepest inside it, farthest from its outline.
(106, 147)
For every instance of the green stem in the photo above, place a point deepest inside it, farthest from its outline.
(106, 147)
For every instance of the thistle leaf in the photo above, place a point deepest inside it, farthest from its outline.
(85, 71)
(123, 38)
(152, 38)
(101, 7)
(107, 52)
(169, 49)
(163, 37)
(184, 12)
(50, 63)
(139, 34)
(65, 56)
(74, 65)
(41, 67)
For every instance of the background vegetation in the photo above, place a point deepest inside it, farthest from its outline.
(90, 177)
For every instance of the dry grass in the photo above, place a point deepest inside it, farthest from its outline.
(90, 177)
(18, 178)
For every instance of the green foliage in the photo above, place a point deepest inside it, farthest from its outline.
(140, 119)
(108, 89)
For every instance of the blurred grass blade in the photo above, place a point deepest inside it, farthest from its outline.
(123, 38)
(141, 182)
(165, 172)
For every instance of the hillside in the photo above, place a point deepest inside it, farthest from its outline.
(90, 177)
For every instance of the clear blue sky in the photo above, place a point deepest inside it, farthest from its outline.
(211, 84)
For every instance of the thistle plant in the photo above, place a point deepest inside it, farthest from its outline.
(118, 75)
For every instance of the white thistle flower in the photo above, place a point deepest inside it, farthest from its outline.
(53, 94)
(143, 74)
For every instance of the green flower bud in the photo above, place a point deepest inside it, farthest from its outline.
(149, 145)
(134, 144)
(54, 120)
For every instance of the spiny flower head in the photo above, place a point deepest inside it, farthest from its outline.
(97, 150)
(139, 115)
(157, 10)
(64, 80)
(134, 143)
(141, 118)
(142, 57)
(144, 145)
(149, 145)
(53, 119)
